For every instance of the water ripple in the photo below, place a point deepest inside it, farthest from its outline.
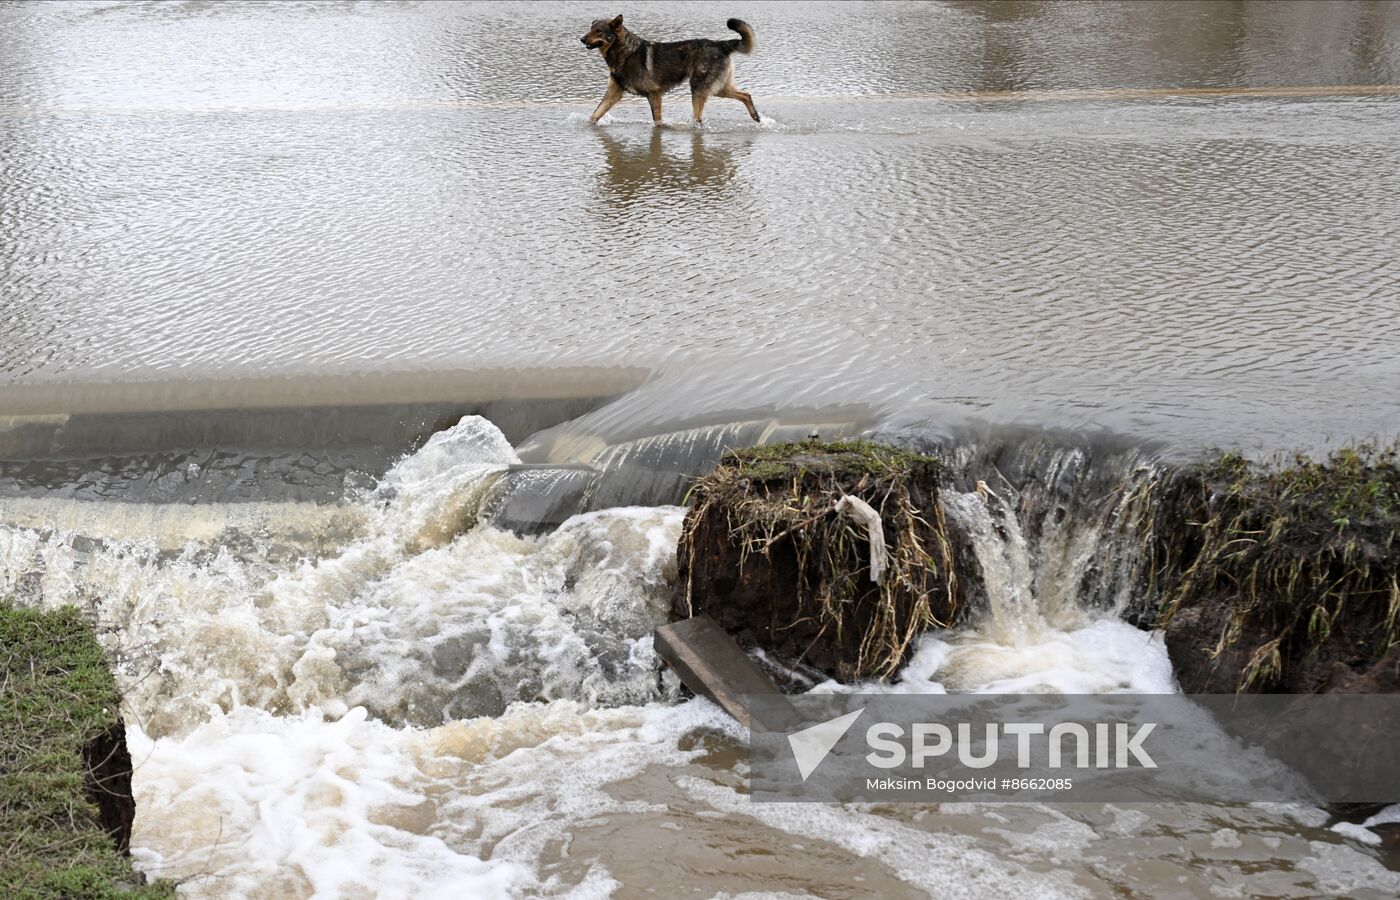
(401, 199)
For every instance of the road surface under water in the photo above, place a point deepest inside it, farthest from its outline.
(253, 255)
(1002, 210)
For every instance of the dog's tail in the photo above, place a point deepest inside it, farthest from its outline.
(745, 42)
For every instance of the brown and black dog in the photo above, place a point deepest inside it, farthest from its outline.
(651, 68)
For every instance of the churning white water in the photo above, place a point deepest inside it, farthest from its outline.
(1035, 635)
(438, 707)
(271, 708)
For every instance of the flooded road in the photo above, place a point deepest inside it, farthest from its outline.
(209, 192)
(262, 266)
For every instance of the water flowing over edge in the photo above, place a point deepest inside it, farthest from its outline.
(448, 702)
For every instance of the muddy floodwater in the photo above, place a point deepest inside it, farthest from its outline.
(351, 380)
(210, 191)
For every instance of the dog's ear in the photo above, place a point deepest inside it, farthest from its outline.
(616, 23)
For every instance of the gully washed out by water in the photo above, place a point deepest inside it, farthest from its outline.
(352, 383)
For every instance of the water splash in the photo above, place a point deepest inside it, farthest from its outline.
(1013, 613)
(1051, 620)
(433, 704)
(422, 617)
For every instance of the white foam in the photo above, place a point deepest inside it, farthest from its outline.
(1387, 816)
(1106, 656)
(424, 618)
(466, 629)
(252, 803)
(1363, 832)
(353, 725)
(1357, 832)
(1035, 636)
(1341, 872)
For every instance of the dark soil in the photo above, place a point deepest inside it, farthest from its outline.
(1274, 578)
(1282, 578)
(765, 553)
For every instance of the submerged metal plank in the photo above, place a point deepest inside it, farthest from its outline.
(710, 663)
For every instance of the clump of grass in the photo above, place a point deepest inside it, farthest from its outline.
(783, 497)
(60, 736)
(829, 457)
(1301, 552)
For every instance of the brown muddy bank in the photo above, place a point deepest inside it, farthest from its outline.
(1279, 578)
(770, 555)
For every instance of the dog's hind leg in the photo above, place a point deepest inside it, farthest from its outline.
(609, 100)
(697, 105)
(654, 98)
(731, 91)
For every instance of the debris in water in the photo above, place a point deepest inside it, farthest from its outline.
(863, 513)
(710, 663)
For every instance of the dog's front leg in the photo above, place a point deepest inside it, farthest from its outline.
(654, 98)
(609, 100)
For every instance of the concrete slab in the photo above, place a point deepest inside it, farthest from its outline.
(711, 664)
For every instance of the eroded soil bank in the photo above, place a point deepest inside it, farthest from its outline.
(772, 553)
(1280, 577)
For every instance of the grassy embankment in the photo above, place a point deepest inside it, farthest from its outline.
(1300, 556)
(65, 777)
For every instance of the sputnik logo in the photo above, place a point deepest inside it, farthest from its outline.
(811, 745)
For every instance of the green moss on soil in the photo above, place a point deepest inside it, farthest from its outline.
(57, 700)
(849, 457)
(1301, 553)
